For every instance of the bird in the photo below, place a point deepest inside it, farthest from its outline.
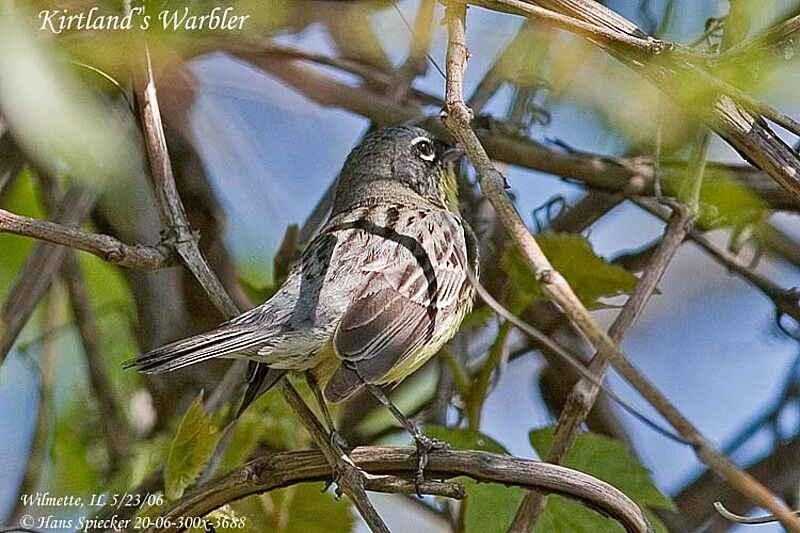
(376, 293)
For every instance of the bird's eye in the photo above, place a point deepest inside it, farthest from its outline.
(424, 148)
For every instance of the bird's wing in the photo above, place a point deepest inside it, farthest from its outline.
(415, 278)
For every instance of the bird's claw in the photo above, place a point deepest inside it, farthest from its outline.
(425, 445)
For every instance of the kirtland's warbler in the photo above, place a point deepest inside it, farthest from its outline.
(377, 292)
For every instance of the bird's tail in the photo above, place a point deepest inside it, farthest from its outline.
(221, 342)
(260, 379)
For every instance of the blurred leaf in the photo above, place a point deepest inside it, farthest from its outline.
(23, 201)
(146, 456)
(725, 202)
(269, 421)
(589, 275)
(253, 428)
(311, 510)
(465, 439)
(191, 448)
(606, 459)
(73, 470)
(57, 119)
(257, 293)
(477, 316)
(303, 508)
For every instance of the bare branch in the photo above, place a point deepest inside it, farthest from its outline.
(618, 31)
(105, 247)
(171, 209)
(583, 395)
(282, 469)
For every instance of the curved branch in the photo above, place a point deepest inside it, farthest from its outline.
(283, 469)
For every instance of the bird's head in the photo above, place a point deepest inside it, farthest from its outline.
(399, 160)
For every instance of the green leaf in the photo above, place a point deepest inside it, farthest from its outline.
(606, 459)
(313, 511)
(565, 516)
(589, 275)
(725, 201)
(465, 439)
(490, 507)
(71, 470)
(191, 448)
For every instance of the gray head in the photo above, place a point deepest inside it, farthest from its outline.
(401, 161)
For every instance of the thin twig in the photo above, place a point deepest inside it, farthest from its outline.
(457, 117)
(105, 247)
(750, 520)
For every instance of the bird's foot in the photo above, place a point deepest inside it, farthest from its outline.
(425, 445)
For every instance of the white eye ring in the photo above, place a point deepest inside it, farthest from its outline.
(424, 148)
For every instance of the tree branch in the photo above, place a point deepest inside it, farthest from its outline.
(283, 469)
(105, 247)
(632, 175)
(584, 393)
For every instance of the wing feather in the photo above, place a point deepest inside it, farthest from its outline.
(396, 313)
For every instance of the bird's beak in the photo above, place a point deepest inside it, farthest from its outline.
(452, 154)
